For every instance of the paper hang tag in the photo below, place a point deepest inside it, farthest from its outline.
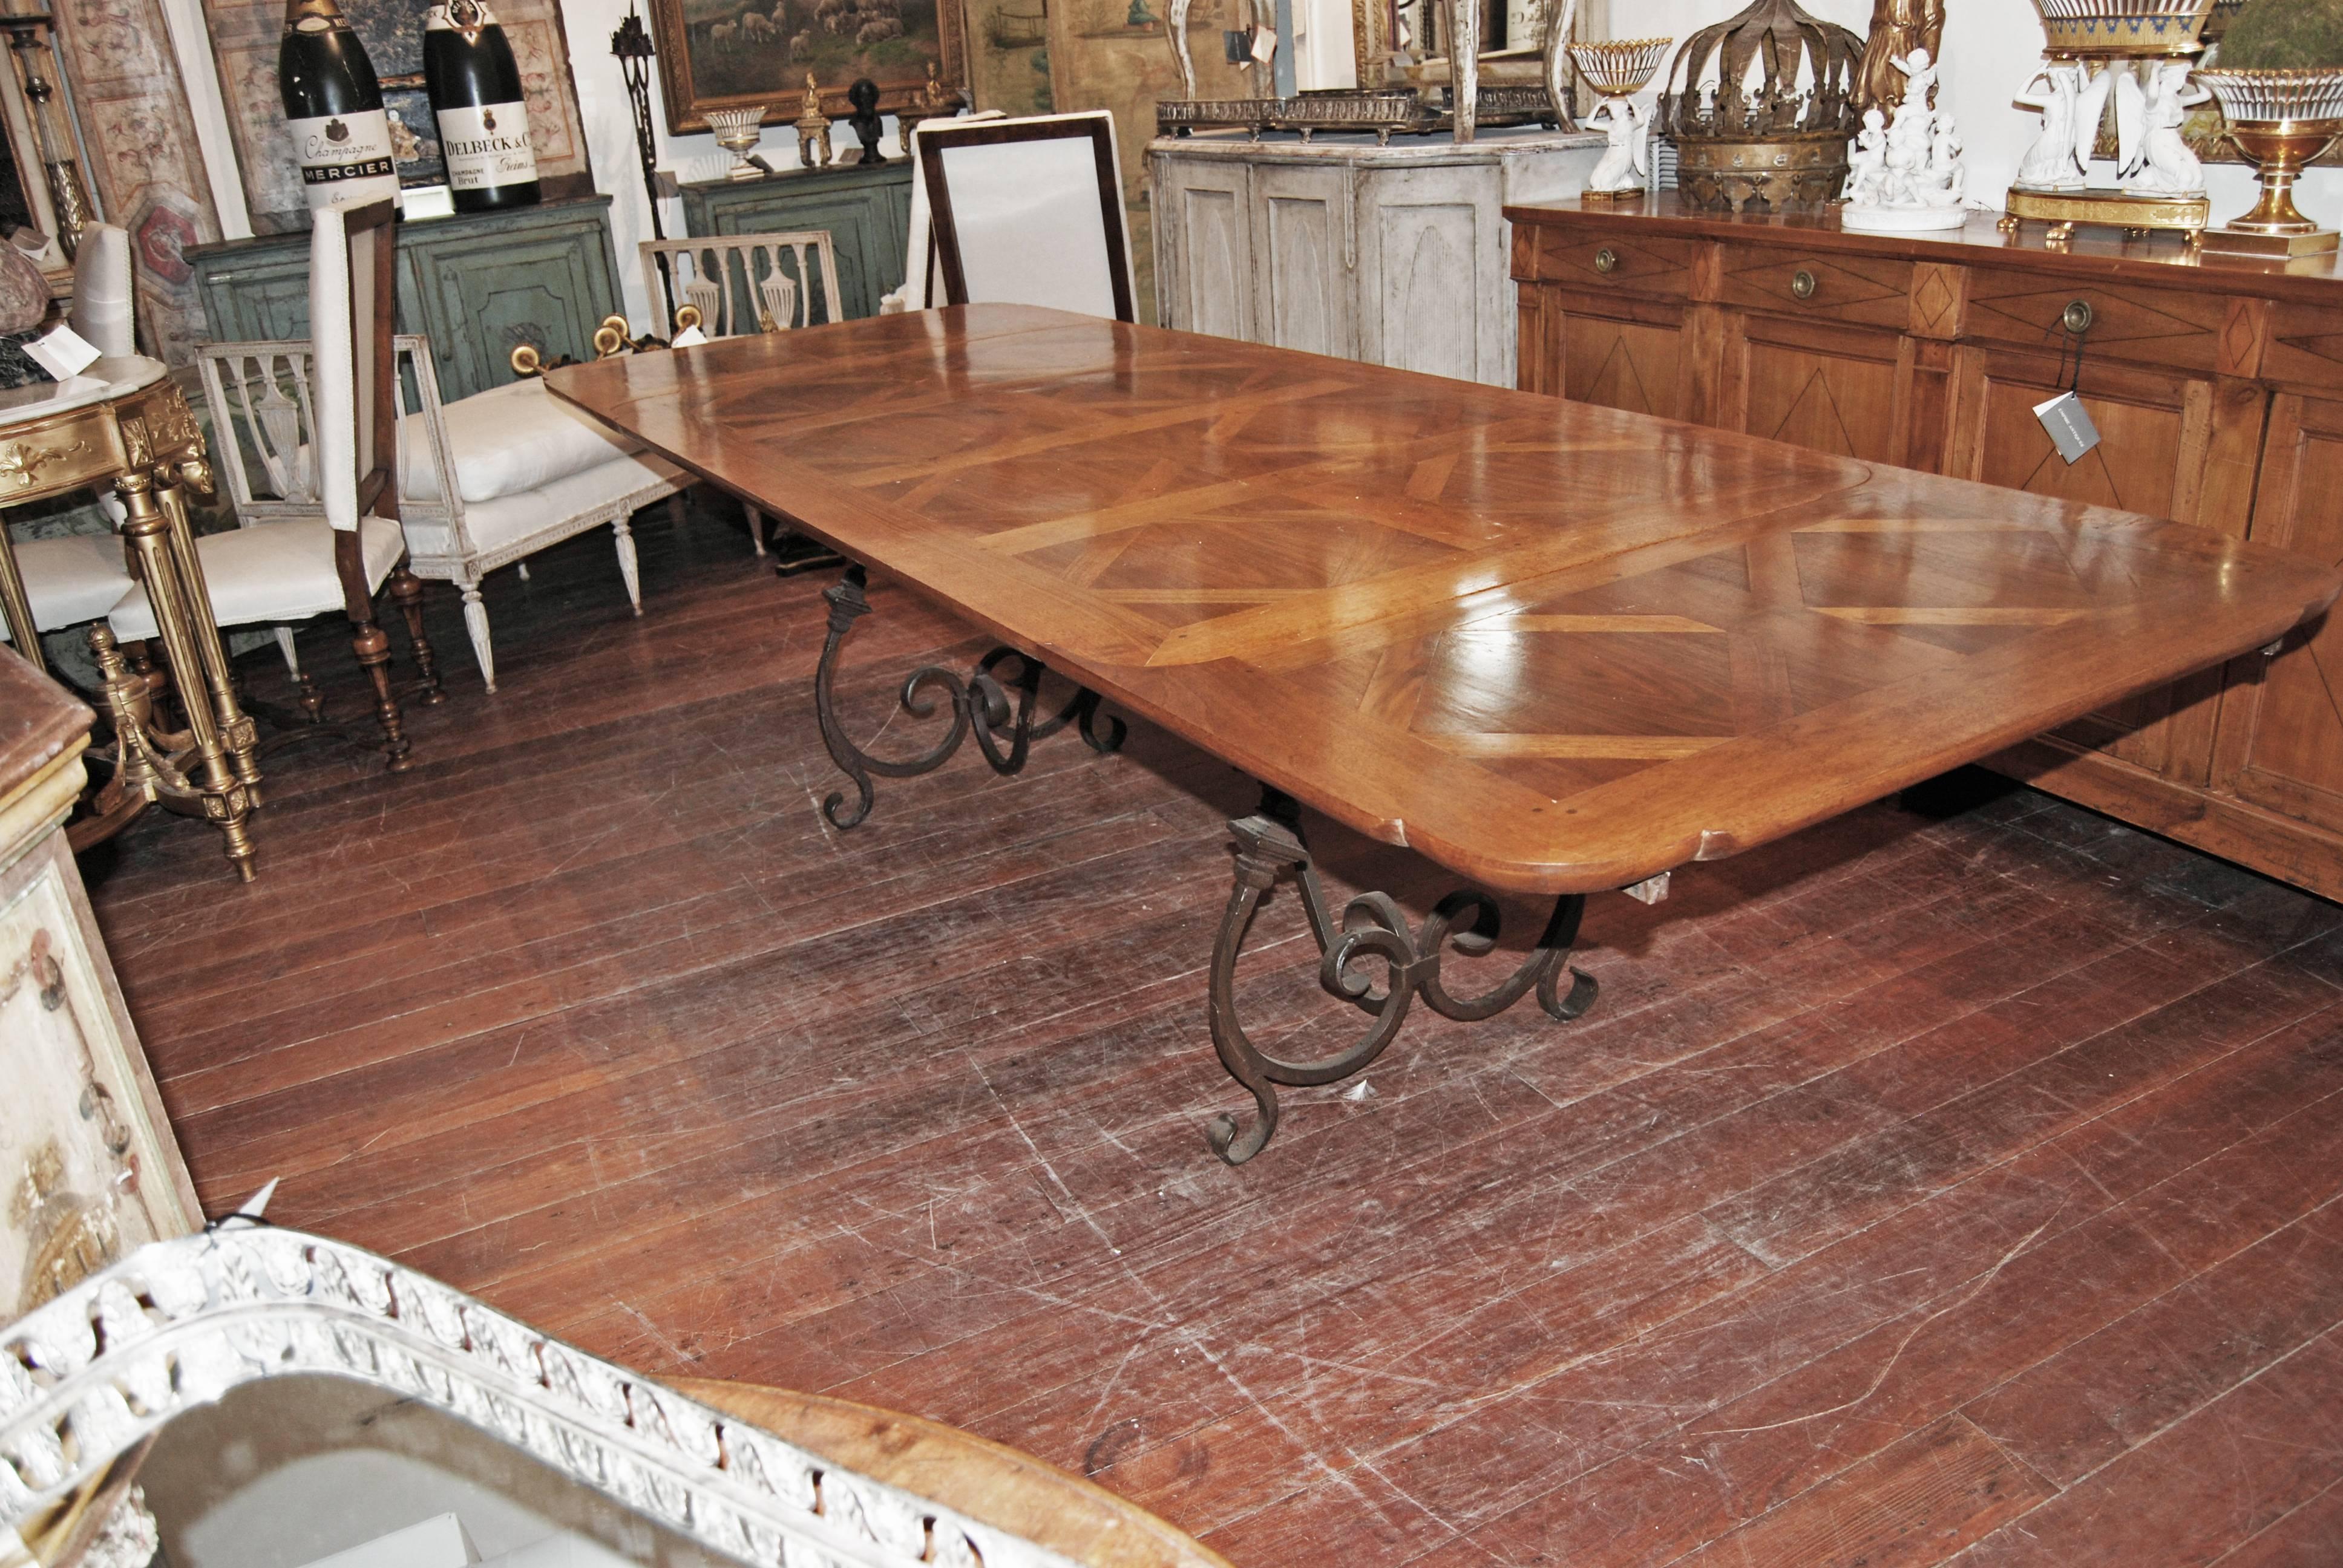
(2070, 425)
(1265, 44)
(63, 354)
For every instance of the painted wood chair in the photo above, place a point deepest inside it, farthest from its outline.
(343, 549)
(483, 482)
(739, 284)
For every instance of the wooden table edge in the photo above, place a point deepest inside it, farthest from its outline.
(990, 1481)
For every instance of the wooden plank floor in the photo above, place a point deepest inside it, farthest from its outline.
(1936, 1183)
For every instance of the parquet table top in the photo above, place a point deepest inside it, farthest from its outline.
(1553, 648)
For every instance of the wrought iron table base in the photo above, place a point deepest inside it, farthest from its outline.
(1270, 845)
(980, 705)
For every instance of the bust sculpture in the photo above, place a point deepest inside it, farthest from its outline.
(863, 98)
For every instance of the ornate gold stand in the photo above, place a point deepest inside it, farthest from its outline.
(2135, 214)
(2275, 226)
(144, 439)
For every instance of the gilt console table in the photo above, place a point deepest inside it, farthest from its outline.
(2216, 385)
(1554, 648)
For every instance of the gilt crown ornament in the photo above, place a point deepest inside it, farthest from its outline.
(1804, 81)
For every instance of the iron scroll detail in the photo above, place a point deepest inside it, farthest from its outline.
(981, 704)
(1270, 846)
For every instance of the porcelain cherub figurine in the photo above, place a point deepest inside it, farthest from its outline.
(1910, 178)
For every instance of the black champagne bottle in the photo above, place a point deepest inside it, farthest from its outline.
(468, 63)
(333, 105)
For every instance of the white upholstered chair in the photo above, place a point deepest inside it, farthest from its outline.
(77, 577)
(276, 570)
(483, 482)
(738, 284)
(1026, 212)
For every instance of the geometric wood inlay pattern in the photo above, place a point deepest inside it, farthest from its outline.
(1553, 648)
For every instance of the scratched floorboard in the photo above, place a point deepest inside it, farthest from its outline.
(1945, 1181)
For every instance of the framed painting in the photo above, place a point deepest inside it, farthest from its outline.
(732, 53)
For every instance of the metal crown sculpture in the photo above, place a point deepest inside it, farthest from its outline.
(1778, 141)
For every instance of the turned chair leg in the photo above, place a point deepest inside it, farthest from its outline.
(406, 593)
(373, 649)
(627, 568)
(675, 509)
(312, 701)
(476, 621)
(756, 527)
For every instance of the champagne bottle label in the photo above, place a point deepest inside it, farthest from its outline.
(487, 146)
(345, 155)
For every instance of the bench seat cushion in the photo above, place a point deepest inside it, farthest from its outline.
(507, 440)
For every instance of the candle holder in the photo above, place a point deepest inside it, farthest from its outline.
(737, 132)
(2280, 120)
(1619, 69)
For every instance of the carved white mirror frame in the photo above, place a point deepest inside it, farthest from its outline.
(178, 1323)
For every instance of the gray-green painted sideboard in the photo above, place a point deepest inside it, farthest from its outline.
(867, 209)
(477, 285)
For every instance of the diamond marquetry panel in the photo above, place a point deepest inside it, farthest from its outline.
(1622, 365)
(1869, 290)
(2155, 326)
(1552, 646)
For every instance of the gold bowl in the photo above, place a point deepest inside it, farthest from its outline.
(2281, 119)
(1620, 68)
(2124, 29)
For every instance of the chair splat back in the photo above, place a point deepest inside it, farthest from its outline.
(742, 284)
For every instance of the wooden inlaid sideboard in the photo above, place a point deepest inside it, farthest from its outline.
(2218, 390)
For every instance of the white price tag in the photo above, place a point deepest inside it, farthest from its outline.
(2070, 425)
(63, 354)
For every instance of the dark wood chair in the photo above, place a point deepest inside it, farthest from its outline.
(274, 572)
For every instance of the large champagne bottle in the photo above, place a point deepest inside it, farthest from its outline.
(333, 105)
(468, 63)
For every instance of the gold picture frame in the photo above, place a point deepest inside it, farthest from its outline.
(737, 53)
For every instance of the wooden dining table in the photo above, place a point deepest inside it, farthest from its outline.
(1554, 648)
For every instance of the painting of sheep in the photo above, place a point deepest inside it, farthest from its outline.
(712, 53)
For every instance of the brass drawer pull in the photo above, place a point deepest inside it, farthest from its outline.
(1803, 283)
(1606, 260)
(2077, 318)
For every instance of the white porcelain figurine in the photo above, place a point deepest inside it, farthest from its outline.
(2163, 164)
(2050, 164)
(1909, 177)
(1623, 166)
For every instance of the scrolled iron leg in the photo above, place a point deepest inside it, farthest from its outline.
(1372, 930)
(981, 703)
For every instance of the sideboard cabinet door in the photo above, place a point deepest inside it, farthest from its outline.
(1816, 384)
(2281, 736)
(1432, 274)
(863, 232)
(2156, 431)
(1615, 352)
(1204, 246)
(484, 294)
(1306, 254)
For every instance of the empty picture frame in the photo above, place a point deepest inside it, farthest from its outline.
(1030, 212)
